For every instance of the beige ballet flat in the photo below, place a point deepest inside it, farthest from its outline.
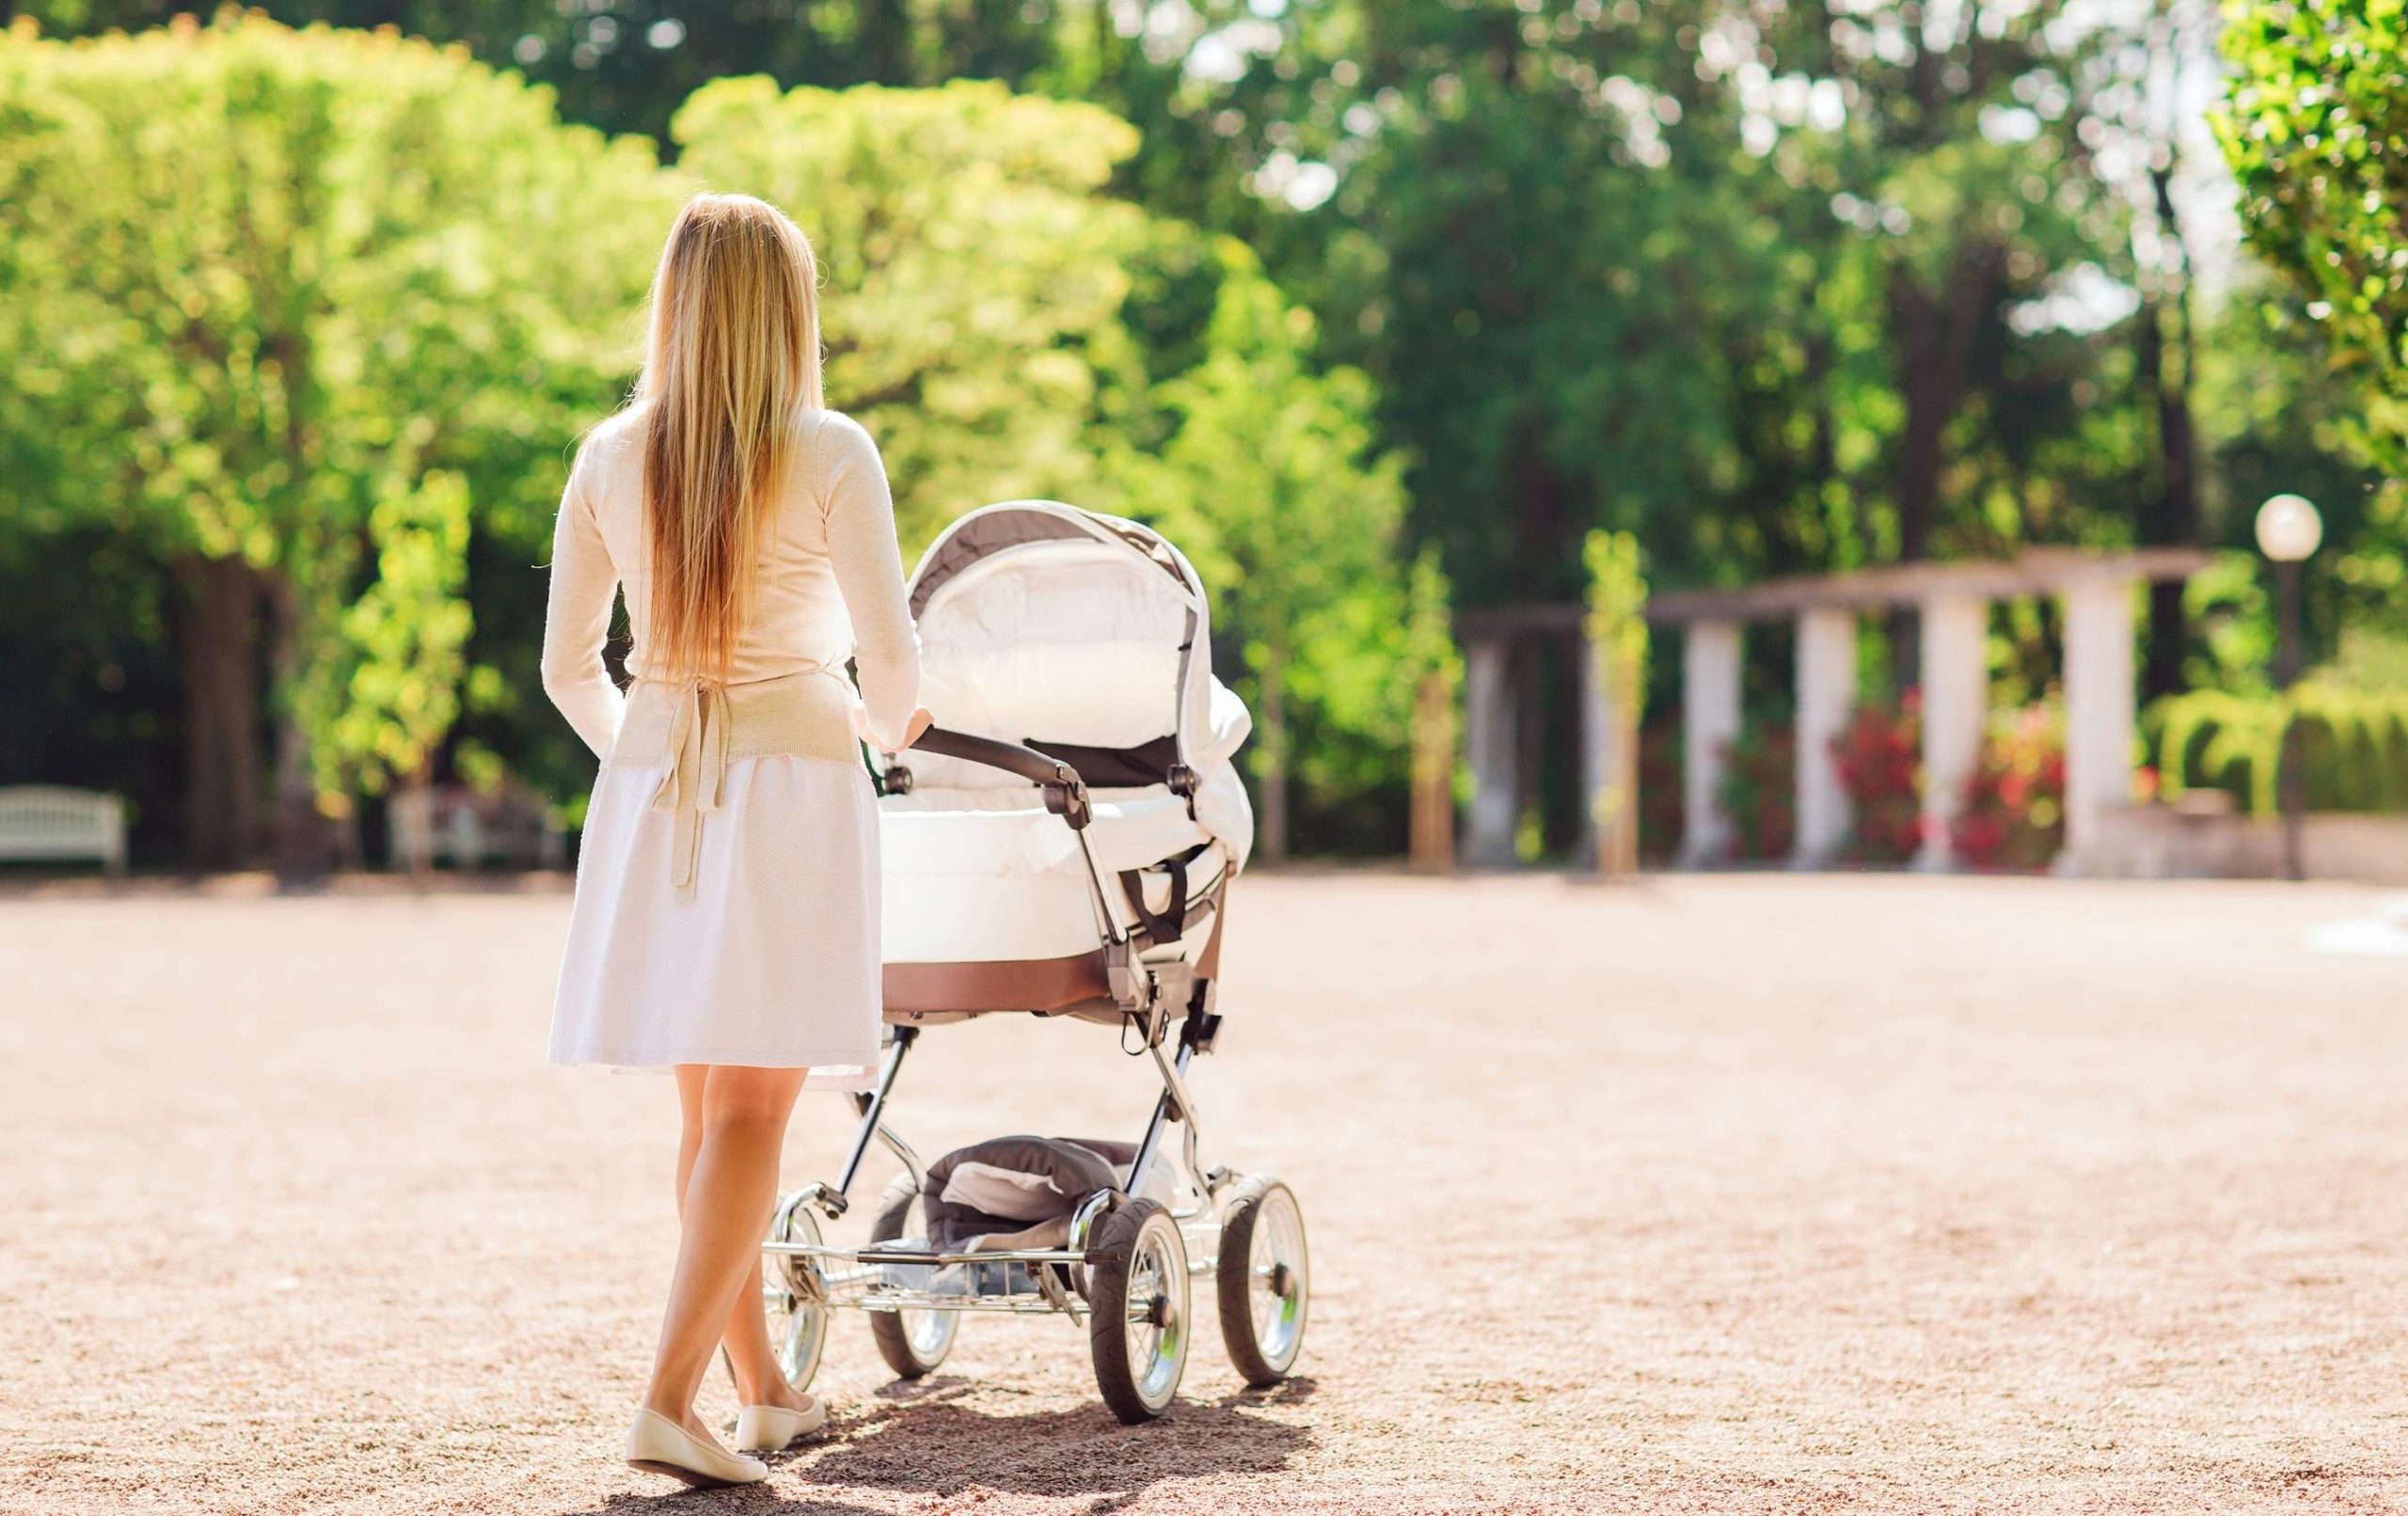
(658, 1445)
(769, 1429)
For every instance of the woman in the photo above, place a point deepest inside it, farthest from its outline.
(726, 914)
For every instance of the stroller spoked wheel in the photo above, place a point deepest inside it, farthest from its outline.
(1263, 1279)
(793, 1296)
(1137, 1292)
(914, 1343)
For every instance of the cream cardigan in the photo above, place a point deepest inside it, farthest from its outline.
(828, 582)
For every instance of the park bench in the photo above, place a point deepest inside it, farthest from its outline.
(51, 824)
(469, 830)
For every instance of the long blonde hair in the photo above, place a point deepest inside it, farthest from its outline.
(734, 352)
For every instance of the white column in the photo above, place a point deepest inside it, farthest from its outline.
(1956, 713)
(1488, 706)
(1826, 695)
(2100, 726)
(1709, 724)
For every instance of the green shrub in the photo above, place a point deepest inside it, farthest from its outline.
(1758, 791)
(2351, 748)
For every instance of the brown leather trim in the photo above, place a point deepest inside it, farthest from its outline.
(916, 992)
(921, 994)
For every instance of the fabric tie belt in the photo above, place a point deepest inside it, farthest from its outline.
(692, 730)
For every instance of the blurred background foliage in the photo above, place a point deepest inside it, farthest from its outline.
(1379, 308)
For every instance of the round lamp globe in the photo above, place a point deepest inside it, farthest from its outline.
(2288, 529)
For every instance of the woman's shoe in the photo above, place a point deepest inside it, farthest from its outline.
(768, 1428)
(660, 1445)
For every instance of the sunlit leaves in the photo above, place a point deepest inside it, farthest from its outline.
(2317, 134)
(1275, 484)
(974, 268)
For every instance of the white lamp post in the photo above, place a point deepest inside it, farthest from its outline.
(2289, 530)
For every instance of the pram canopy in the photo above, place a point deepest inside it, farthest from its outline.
(1087, 638)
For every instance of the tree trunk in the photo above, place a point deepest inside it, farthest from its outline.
(1432, 829)
(1925, 383)
(1934, 353)
(885, 41)
(1271, 826)
(217, 637)
(1544, 527)
(2166, 353)
(308, 843)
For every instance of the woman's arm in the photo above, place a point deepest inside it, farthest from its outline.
(869, 572)
(576, 619)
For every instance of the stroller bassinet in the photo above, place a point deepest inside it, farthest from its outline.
(1086, 639)
(1061, 843)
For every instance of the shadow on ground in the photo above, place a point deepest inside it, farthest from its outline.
(920, 1438)
(765, 1499)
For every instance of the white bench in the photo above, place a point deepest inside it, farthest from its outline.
(49, 824)
(469, 830)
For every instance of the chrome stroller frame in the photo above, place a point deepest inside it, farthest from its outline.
(1125, 1267)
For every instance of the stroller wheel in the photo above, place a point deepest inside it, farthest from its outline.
(793, 1296)
(1137, 1292)
(1263, 1277)
(914, 1343)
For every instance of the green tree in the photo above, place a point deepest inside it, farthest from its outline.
(1739, 277)
(1274, 484)
(2314, 390)
(975, 271)
(302, 313)
(983, 287)
(1962, 164)
(2317, 134)
(629, 65)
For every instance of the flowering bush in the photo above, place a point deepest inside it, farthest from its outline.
(1878, 753)
(2014, 811)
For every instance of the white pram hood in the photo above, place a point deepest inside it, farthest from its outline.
(1044, 623)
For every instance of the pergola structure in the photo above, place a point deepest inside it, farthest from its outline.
(1952, 602)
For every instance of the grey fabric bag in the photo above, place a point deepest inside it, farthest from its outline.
(1036, 1178)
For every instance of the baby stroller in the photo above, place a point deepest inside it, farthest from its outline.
(1060, 844)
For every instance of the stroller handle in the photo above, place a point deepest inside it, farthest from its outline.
(1066, 794)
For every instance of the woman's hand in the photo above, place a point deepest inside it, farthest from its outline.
(921, 720)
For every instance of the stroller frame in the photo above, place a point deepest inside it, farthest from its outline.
(1097, 1274)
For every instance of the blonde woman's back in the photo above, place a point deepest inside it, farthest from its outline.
(825, 572)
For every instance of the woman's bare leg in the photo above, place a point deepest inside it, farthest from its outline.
(729, 1190)
(759, 1381)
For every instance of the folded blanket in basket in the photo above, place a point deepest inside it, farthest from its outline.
(1024, 1187)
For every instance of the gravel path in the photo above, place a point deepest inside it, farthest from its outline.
(1711, 1194)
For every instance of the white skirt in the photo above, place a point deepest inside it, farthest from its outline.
(773, 963)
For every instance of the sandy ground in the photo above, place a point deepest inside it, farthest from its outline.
(1731, 1194)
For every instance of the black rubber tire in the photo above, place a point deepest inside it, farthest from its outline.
(886, 1327)
(1108, 1306)
(1234, 1278)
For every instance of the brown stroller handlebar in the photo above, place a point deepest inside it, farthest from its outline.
(1066, 794)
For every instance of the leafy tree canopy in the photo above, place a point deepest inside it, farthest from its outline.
(2317, 134)
(305, 304)
(974, 268)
